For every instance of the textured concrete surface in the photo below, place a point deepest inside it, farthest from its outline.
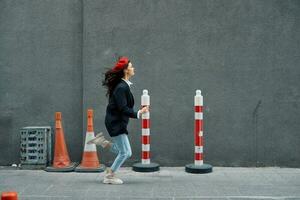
(40, 71)
(169, 183)
(242, 54)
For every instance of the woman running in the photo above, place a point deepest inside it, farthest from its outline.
(118, 112)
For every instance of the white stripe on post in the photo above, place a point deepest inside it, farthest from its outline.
(145, 161)
(145, 131)
(198, 162)
(146, 115)
(198, 149)
(146, 147)
(198, 115)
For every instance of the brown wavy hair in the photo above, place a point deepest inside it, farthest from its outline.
(111, 79)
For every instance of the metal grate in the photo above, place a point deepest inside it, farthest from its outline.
(36, 145)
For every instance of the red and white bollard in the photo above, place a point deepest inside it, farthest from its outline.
(145, 129)
(145, 165)
(198, 166)
(198, 129)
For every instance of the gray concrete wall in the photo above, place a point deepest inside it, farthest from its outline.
(243, 55)
(40, 70)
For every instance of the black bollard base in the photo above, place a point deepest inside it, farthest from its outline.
(139, 167)
(198, 169)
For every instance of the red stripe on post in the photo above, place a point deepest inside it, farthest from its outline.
(201, 125)
(198, 125)
(145, 154)
(198, 108)
(146, 123)
(198, 140)
(198, 156)
(145, 139)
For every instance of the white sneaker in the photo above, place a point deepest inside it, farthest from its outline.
(99, 140)
(112, 180)
(110, 177)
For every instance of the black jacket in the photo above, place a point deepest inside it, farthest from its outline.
(119, 110)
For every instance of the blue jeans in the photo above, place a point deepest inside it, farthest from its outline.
(120, 146)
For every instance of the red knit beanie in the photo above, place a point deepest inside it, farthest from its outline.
(121, 64)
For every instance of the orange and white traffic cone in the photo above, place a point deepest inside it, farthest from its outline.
(61, 161)
(11, 195)
(90, 161)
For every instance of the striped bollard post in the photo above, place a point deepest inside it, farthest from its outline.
(145, 165)
(198, 167)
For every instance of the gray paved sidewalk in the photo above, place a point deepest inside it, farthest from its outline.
(168, 183)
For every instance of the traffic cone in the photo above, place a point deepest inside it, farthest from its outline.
(61, 161)
(90, 161)
(11, 195)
